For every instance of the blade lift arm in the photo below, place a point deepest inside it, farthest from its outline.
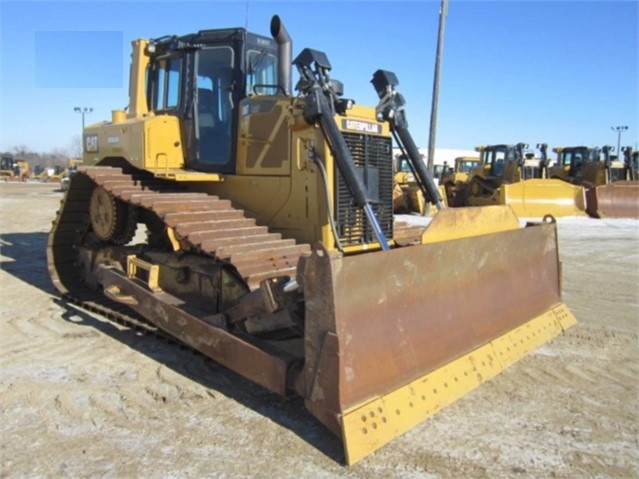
(322, 95)
(391, 109)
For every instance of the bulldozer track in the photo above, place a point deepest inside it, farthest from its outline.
(203, 223)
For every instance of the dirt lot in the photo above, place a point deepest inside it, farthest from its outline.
(82, 397)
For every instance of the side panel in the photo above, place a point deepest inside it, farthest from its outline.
(151, 143)
(275, 182)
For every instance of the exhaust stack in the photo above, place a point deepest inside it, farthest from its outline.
(284, 53)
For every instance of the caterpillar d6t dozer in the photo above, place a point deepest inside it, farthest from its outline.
(611, 191)
(271, 245)
(408, 193)
(452, 179)
(500, 180)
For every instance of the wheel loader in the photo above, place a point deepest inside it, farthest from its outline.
(271, 245)
(611, 191)
(500, 180)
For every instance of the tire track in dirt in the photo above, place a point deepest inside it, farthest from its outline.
(82, 397)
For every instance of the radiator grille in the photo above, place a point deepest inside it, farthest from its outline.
(372, 156)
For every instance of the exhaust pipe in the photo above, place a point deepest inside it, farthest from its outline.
(284, 53)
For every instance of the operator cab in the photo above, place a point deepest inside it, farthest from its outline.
(497, 156)
(7, 163)
(464, 165)
(201, 79)
(576, 158)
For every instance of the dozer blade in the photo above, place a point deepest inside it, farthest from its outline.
(614, 200)
(536, 198)
(417, 204)
(392, 337)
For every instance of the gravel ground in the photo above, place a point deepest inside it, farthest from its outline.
(82, 397)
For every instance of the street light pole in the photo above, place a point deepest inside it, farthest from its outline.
(618, 129)
(443, 11)
(83, 111)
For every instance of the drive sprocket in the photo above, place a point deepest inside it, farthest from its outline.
(112, 219)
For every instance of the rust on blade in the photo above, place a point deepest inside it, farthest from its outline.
(384, 319)
(614, 200)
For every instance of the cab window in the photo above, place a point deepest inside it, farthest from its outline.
(261, 73)
(167, 84)
(214, 102)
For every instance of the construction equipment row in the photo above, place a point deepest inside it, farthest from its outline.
(582, 181)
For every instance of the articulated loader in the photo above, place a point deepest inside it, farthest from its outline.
(499, 181)
(271, 243)
(611, 191)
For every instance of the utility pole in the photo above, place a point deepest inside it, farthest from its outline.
(83, 111)
(618, 129)
(443, 11)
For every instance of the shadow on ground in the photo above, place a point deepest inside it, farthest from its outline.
(28, 262)
(27, 258)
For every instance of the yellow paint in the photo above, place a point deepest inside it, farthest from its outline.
(368, 427)
(133, 263)
(539, 197)
(137, 89)
(454, 223)
(178, 174)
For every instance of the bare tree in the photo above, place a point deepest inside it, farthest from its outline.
(22, 151)
(75, 146)
(56, 157)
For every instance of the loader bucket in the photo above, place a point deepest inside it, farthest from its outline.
(394, 336)
(535, 198)
(614, 200)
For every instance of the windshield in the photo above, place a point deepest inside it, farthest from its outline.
(6, 163)
(404, 166)
(466, 165)
(578, 156)
(261, 73)
(575, 159)
(496, 157)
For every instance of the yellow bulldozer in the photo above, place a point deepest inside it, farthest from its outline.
(452, 179)
(611, 191)
(408, 194)
(500, 179)
(271, 244)
(631, 159)
(70, 170)
(51, 174)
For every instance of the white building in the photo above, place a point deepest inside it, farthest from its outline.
(442, 154)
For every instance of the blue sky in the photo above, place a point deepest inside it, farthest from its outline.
(561, 72)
